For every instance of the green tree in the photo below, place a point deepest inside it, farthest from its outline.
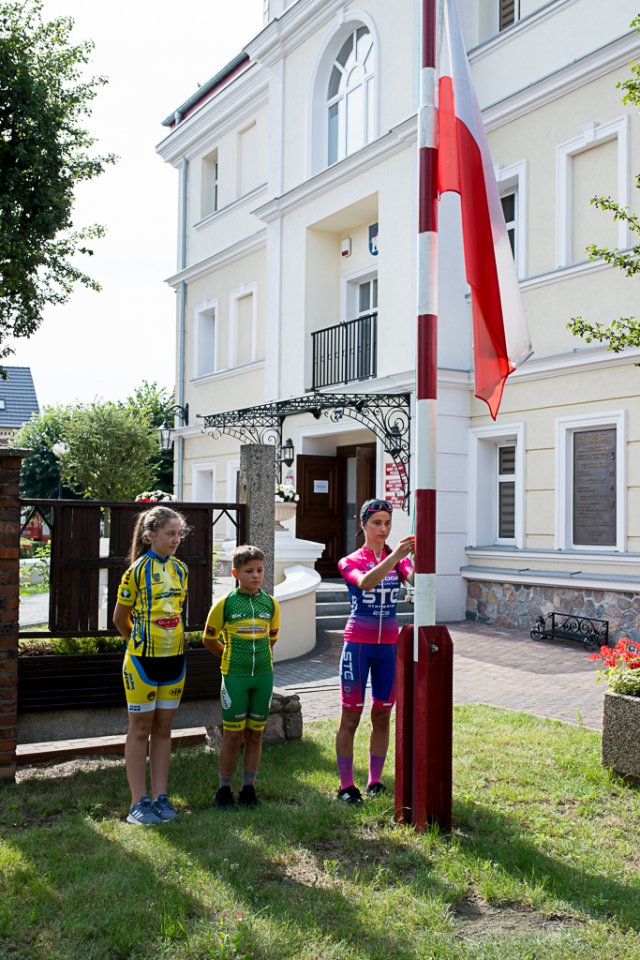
(156, 405)
(110, 455)
(40, 473)
(44, 154)
(624, 331)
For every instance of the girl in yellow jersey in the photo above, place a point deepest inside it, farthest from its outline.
(148, 614)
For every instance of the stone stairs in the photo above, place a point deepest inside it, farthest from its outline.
(332, 607)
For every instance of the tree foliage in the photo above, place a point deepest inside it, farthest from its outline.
(112, 448)
(44, 154)
(110, 455)
(40, 472)
(156, 404)
(624, 331)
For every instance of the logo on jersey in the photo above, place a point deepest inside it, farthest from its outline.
(155, 577)
(167, 623)
(125, 593)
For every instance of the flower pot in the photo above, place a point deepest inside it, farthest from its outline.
(284, 511)
(621, 734)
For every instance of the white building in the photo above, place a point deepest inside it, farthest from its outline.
(296, 279)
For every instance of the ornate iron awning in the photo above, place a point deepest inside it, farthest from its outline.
(387, 415)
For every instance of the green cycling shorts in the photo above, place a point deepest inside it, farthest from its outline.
(245, 701)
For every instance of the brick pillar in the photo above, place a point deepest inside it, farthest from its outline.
(256, 488)
(10, 460)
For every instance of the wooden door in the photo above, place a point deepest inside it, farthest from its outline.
(320, 511)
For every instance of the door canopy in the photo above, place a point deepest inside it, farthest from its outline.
(387, 415)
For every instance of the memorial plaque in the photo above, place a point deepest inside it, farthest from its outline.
(594, 488)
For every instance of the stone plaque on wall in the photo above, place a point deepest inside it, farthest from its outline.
(594, 488)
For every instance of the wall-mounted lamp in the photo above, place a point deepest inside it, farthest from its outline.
(165, 437)
(287, 453)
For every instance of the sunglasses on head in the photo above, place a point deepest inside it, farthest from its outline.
(374, 506)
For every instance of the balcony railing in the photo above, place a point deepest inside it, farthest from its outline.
(345, 352)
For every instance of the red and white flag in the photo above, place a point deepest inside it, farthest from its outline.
(500, 335)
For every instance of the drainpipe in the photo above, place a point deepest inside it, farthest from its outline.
(182, 300)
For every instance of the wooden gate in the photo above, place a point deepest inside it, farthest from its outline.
(76, 562)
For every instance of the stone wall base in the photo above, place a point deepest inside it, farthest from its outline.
(284, 723)
(517, 606)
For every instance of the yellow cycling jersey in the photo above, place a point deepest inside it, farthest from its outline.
(155, 589)
(248, 626)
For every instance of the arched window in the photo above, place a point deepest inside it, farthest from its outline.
(351, 96)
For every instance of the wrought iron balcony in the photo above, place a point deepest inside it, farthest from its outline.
(345, 352)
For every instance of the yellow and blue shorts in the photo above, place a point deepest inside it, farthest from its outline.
(245, 701)
(152, 683)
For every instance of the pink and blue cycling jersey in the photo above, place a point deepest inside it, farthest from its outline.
(373, 612)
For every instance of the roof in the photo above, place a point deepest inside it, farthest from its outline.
(208, 89)
(18, 399)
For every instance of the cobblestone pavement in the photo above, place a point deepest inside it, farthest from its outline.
(503, 668)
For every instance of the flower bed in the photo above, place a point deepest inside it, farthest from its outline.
(55, 682)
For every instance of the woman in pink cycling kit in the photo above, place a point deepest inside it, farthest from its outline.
(374, 575)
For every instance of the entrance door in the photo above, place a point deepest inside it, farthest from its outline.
(320, 513)
(360, 485)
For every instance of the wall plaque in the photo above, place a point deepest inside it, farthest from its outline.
(594, 488)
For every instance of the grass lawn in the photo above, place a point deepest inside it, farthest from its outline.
(542, 861)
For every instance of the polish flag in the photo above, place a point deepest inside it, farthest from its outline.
(500, 335)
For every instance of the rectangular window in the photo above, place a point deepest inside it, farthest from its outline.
(594, 488)
(506, 492)
(509, 204)
(245, 344)
(203, 483)
(508, 13)
(205, 342)
(591, 481)
(244, 330)
(210, 192)
(249, 159)
(496, 485)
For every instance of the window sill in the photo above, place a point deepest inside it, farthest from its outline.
(228, 373)
(210, 218)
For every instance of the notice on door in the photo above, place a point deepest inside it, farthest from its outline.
(321, 486)
(393, 488)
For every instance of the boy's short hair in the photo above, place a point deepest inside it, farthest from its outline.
(244, 554)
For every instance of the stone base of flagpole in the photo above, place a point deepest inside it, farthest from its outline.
(424, 728)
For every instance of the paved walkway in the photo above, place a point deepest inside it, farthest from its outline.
(500, 667)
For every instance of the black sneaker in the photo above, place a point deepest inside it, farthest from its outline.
(223, 798)
(349, 795)
(247, 796)
(375, 789)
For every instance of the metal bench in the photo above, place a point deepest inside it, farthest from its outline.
(592, 633)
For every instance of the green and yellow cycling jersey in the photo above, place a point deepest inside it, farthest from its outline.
(248, 626)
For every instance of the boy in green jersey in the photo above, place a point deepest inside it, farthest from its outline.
(242, 628)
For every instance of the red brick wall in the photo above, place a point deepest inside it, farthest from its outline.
(9, 601)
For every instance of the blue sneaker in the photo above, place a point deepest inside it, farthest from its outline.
(164, 809)
(143, 813)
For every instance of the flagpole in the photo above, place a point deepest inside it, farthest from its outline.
(425, 652)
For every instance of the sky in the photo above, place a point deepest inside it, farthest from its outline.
(155, 54)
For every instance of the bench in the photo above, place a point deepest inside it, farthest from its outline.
(592, 633)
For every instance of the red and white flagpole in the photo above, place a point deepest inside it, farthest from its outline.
(425, 652)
